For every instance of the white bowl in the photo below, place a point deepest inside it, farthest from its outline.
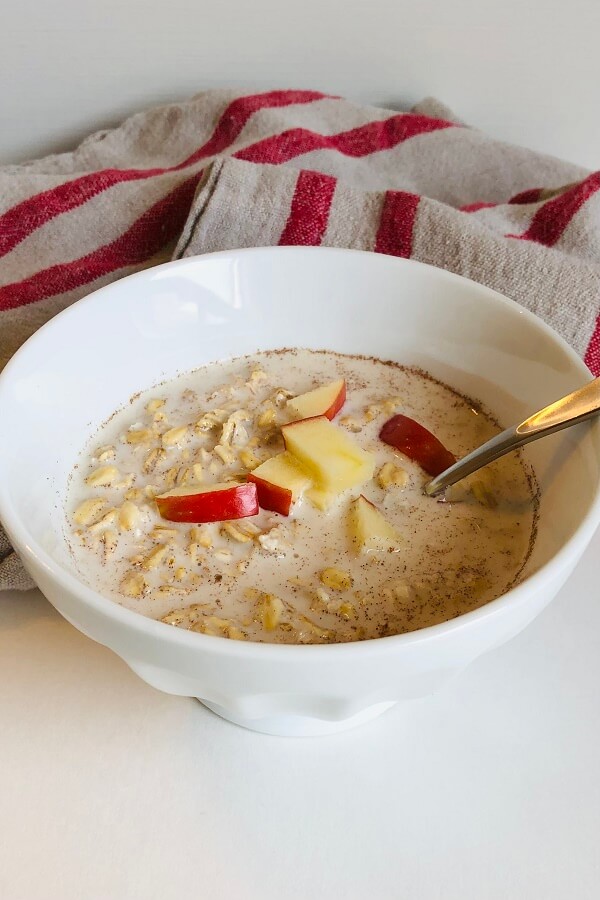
(86, 362)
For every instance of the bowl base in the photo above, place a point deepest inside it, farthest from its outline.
(299, 726)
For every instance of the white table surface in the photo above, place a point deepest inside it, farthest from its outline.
(490, 789)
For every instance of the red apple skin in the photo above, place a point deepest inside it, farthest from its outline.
(235, 502)
(272, 496)
(416, 442)
(333, 409)
(337, 403)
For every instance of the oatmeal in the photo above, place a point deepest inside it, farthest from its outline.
(255, 499)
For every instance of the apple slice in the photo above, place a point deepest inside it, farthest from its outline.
(330, 456)
(417, 443)
(320, 498)
(370, 531)
(209, 502)
(326, 400)
(279, 482)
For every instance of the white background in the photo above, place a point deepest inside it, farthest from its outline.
(527, 72)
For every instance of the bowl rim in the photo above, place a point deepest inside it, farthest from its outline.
(273, 652)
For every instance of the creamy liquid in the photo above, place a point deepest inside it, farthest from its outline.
(452, 556)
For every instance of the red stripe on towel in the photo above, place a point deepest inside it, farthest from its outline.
(309, 211)
(551, 219)
(233, 120)
(395, 232)
(157, 227)
(361, 141)
(530, 196)
(24, 218)
(475, 207)
(533, 195)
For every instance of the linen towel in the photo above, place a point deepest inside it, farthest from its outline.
(225, 170)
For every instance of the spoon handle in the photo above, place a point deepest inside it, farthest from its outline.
(582, 404)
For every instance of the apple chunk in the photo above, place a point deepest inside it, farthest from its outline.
(279, 482)
(369, 530)
(209, 503)
(331, 457)
(320, 498)
(326, 400)
(416, 442)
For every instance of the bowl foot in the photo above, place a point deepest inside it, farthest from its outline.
(299, 726)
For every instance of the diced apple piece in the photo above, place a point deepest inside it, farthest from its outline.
(331, 457)
(416, 442)
(279, 482)
(369, 530)
(320, 498)
(326, 400)
(209, 503)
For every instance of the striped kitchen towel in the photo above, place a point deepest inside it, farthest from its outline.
(225, 170)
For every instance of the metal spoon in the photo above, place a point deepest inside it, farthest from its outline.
(576, 407)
